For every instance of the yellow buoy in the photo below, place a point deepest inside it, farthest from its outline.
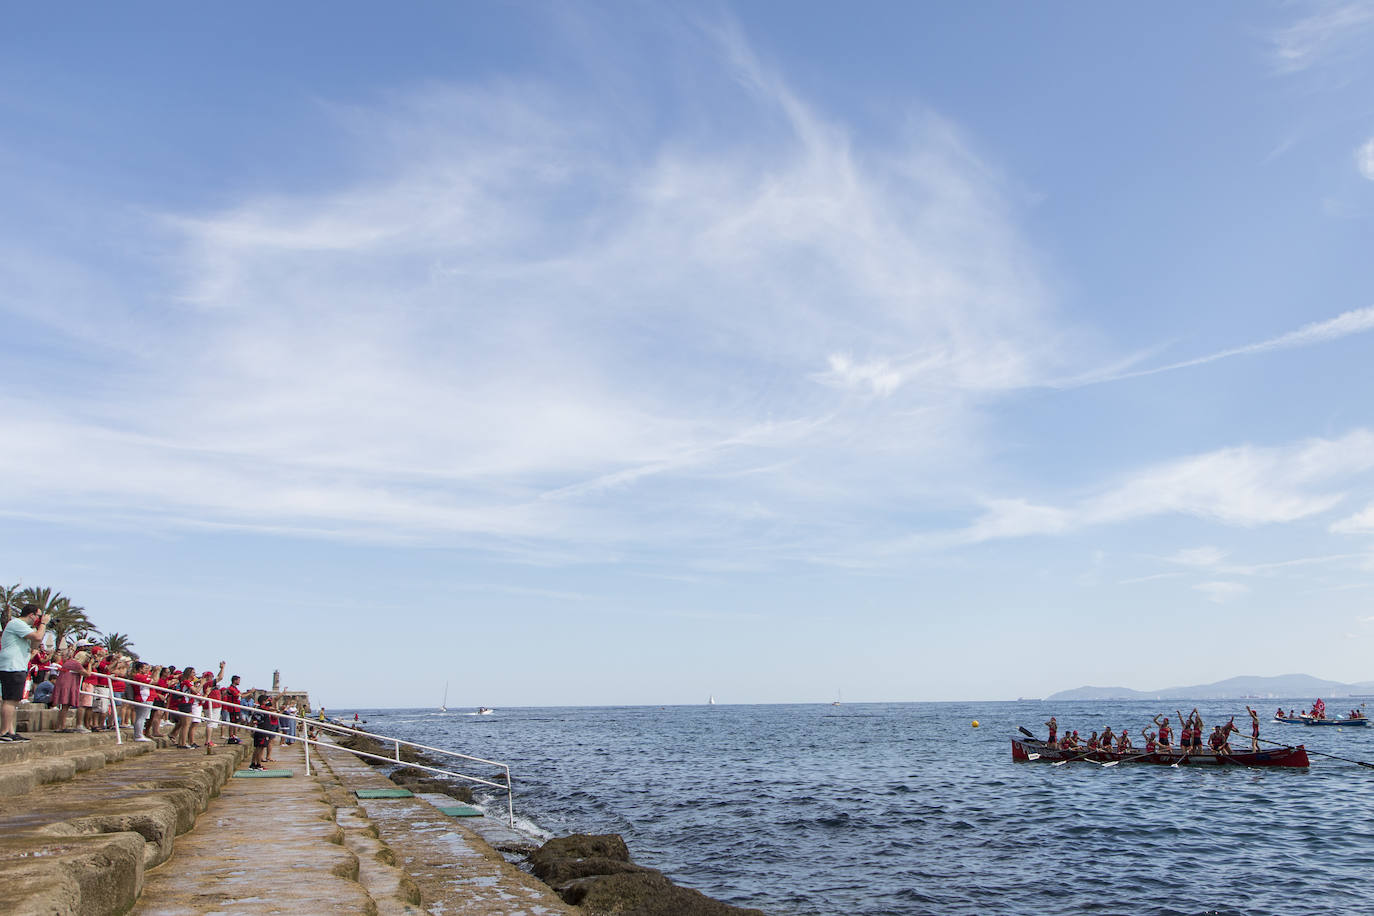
(975, 723)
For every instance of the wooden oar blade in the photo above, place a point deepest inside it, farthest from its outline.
(1025, 731)
(1110, 764)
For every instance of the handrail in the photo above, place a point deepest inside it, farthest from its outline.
(308, 741)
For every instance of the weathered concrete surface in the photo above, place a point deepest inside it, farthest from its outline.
(70, 875)
(82, 846)
(455, 870)
(30, 717)
(263, 846)
(157, 796)
(52, 759)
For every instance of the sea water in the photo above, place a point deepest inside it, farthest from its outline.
(814, 810)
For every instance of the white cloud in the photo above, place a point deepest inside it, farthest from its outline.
(878, 377)
(1221, 592)
(1364, 159)
(1336, 30)
(1244, 486)
(1355, 321)
(536, 328)
(1361, 522)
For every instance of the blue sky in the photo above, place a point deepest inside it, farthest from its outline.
(635, 353)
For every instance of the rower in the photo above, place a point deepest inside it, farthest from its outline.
(1193, 730)
(1224, 733)
(1254, 729)
(1185, 733)
(1149, 740)
(1092, 741)
(1164, 730)
(1053, 726)
(1123, 740)
(1107, 738)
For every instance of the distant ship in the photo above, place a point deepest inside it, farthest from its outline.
(712, 700)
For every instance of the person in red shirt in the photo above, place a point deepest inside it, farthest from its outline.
(230, 694)
(212, 707)
(163, 678)
(181, 703)
(1165, 731)
(141, 682)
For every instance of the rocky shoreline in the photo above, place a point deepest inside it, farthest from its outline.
(589, 871)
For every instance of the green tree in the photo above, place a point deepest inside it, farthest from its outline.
(67, 619)
(119, 644)
(9, 603)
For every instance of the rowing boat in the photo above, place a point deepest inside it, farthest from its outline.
(1312, 720)
(1022, 750)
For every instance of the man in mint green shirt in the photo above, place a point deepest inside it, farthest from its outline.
(17, 642)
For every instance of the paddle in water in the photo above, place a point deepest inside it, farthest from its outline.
(1319, 753)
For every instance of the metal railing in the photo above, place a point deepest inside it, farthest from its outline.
(304, 738)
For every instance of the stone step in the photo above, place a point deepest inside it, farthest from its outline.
(48, 758)
(82, 846)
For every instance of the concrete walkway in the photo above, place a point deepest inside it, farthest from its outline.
(265, 845)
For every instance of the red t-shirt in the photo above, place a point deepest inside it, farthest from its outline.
(142, 692)
(184, 686)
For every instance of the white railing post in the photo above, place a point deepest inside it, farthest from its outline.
(114, 711)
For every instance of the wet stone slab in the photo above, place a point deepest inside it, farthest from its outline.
(263, 846)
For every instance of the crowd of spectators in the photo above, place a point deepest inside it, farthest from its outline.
(96, 690)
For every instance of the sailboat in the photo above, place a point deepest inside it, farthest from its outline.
(443, 707)
(712, 700)
(839, 698)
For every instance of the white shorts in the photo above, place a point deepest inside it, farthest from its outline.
(195, 712)
(214, 716)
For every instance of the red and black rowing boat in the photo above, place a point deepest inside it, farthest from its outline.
(1026, 749)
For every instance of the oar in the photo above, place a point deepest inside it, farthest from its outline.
(1029, 734)
(1319, 753)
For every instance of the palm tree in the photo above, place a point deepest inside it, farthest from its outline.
(67, 618)
(119, 644)
(9, 603)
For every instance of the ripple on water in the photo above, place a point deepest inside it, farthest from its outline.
(902, 809)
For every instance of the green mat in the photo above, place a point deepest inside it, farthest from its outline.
(263, 774)
(384, 793)
(461, 811)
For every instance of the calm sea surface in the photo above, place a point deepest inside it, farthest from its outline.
(905, 808)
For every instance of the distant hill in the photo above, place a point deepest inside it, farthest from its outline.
(1234, 688)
